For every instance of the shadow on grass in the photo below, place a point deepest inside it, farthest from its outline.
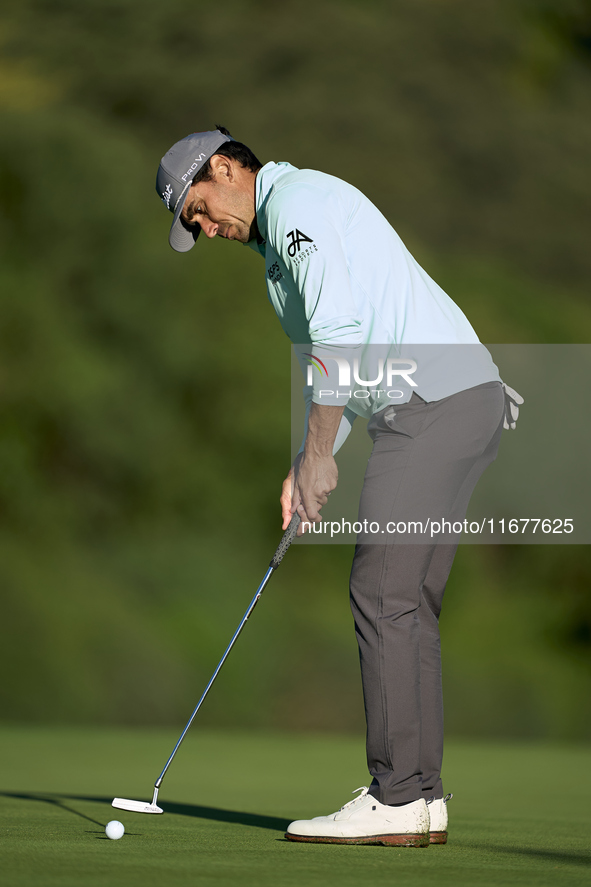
(213, 813)
(55, 800)
(582, 858)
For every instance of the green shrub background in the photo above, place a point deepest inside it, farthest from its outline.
(138, 480)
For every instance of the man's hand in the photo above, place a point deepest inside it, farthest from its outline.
(313, 475)
(307, 488)
(286, 491)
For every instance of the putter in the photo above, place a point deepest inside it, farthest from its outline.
(143, 806)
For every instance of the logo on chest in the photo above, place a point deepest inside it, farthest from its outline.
(300, 246)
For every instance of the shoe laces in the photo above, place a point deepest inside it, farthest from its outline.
(363, 789)
(447, 798)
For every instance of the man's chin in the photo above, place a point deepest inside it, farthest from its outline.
(237, 234)
(241, 234)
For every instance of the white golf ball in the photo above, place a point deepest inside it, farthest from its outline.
(115, 830)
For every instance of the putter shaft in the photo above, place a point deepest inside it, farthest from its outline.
(251, 607)
(286, 541)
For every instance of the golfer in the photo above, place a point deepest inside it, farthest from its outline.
(342, 283)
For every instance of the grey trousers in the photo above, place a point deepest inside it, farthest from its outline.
(425, 462)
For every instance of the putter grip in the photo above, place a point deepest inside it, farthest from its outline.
(286, 541)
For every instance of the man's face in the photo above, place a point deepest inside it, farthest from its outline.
(225, 205)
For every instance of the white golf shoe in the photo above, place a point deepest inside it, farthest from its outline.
(438, 816)
(365, 821)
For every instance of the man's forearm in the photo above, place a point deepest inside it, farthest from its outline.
(323, 424)
(314, 474)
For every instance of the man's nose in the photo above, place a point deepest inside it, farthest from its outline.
(209, 228)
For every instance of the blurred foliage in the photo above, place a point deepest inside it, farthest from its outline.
(143, 395)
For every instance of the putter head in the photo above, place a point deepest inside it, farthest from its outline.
(136, 806)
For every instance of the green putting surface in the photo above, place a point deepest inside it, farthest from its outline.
(520, 812)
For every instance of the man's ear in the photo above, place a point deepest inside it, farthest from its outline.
(222, 168)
